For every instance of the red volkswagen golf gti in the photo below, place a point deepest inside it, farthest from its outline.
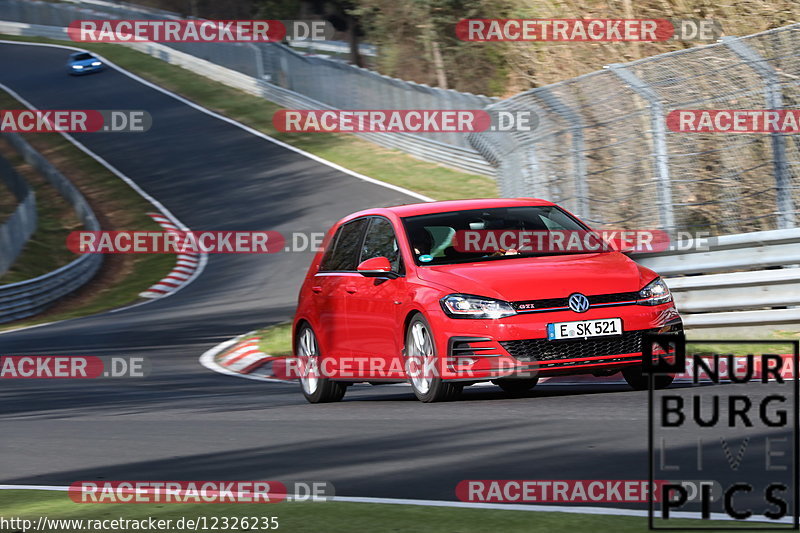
(396, 295)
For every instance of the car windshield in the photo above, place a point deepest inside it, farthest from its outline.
(82, 56)
(498, 233)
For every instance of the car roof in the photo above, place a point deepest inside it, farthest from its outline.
(427, 208)
(75, 54)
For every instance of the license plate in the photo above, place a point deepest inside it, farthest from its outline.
(584, 328)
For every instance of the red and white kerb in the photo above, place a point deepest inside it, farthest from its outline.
(184, 268)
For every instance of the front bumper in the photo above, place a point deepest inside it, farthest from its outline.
(85, 70)
(478, 350)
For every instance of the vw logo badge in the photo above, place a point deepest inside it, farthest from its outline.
(578, 303)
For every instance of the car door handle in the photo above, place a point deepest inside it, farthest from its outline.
(316, 289)
(351, 289)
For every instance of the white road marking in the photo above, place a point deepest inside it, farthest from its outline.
(614, 511)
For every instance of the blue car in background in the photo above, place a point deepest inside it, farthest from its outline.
(83, 63)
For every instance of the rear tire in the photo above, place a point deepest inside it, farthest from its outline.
(315, 388)
(516, 387)
(637, 379)
(420, 352)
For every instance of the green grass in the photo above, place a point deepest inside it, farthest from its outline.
(391, 166)
(742, 349)
(275, 340)
(331, 517)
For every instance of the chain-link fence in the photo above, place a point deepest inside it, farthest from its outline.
(326, 83)
(602, 147)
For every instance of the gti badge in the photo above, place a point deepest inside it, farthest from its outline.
(578, 302)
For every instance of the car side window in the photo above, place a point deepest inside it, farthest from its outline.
(380, 241)
(327, 258)
(346, 247)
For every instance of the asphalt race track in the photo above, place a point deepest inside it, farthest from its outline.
(187, 423)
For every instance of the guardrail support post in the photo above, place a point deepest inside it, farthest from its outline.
(657, 122)
(259, 61)
(773, 99)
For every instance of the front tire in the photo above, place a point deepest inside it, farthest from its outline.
(421, 365)
(315, 388)
(516, 387)
(637, 379)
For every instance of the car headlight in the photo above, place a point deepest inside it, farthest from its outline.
(655, 293)
(77, 66)
(468, 306)
(96, 63)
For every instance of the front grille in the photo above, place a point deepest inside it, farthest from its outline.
(532, 350)
(596, 300)
(613, 298)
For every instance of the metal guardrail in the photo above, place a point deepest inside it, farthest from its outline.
(276, 69)
(29, 297)
(21, 224)
(745, 279)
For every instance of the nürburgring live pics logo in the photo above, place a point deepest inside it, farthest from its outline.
(734, 425)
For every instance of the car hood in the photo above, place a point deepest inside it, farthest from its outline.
(531, 278)
(83, 62)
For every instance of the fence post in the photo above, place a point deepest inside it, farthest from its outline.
(533, 175)
(657, 123)
(579, 163)
(259, 61)
(773, 100)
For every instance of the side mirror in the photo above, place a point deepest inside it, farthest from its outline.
(377, 267)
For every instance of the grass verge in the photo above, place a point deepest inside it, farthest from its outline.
(391, 166)
(743, 334)
(331, 517)
(116, 205)
(275, 340)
